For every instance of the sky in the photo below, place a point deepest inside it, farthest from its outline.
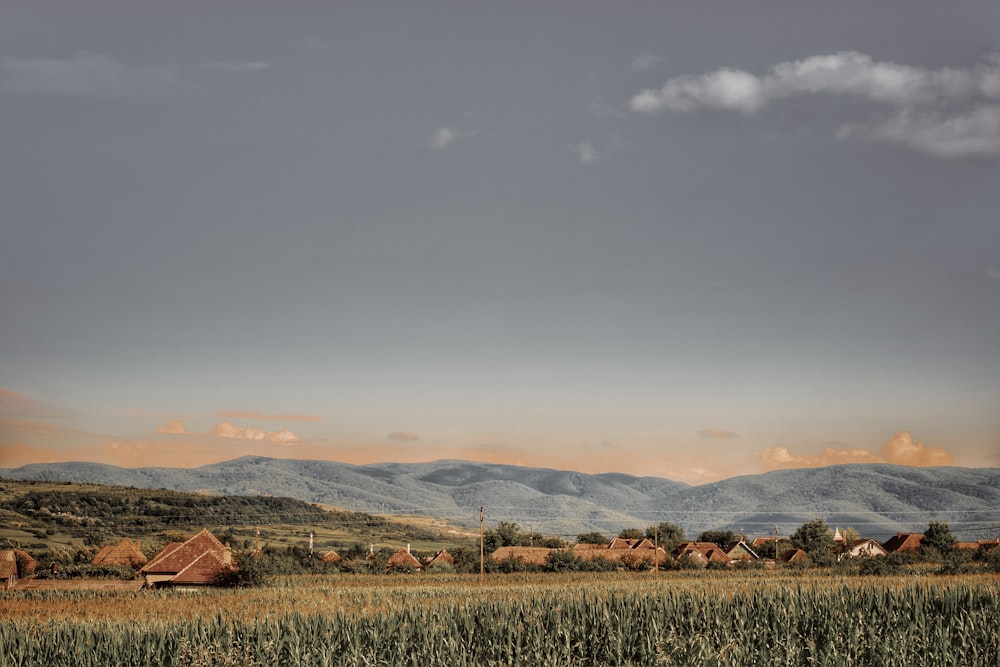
(690, 240)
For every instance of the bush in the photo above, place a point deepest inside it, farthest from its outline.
(562, 561)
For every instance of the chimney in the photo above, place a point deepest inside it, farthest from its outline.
(407, 547)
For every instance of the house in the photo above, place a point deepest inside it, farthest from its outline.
(621, 549)
(986, 545)
(15, 563)
(526, 555)
(403, 559)
(865, 547)
(626, 543)
(125, 552)
(701, 552)
(440, 558)
(332, 557)
(903, 542)
(199, 561)
(740, 550)
(794, 556)
(8, 568)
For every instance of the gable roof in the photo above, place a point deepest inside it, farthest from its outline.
(8, 564)
(531, 555)
(403, 558)
(629, 543)
(441, 557)
(793, 556)
(707, 551)
(125, 552)
(867, 546)
(903, 542)
(332, 557)
(740, 549)
(197, 561)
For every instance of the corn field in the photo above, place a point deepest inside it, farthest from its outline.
(683, 622)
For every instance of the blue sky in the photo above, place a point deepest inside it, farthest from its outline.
(690, 241)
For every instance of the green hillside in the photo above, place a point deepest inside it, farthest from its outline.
(69, 517)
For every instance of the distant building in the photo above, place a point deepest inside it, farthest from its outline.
(865, 547)
(440, 558)
(15, 563)
(526, 555)
(125, 552)
(403, 559)
(903, 543)
(200, 561)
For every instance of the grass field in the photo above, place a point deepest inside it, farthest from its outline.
(726, 618)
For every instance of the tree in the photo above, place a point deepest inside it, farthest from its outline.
(723, 538)
(591, 538)
(938, 540)
(814, 537)
(631, 534)
(506, 534)
(668, 535)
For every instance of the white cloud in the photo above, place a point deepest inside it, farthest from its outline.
(844, 73)
(86, 75)
(228, 430)
(900, 449)
(944, 112)
(729, 89)
(974, 133)
(253, 66)
(585, 152)
(644, 62)
(443, 138)
(172, 426)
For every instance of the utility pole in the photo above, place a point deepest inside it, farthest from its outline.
(656, 551)
(482, 547)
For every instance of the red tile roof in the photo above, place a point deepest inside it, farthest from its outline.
(125, 552)
(403, 558)
(200, 560)
(903, 542)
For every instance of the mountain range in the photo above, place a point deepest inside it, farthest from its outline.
(877, 500)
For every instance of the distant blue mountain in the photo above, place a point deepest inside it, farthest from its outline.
(876, 499)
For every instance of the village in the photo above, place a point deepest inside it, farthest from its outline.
(203, 560)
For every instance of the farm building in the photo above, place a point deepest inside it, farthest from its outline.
(15, 563)
(440, 558)
(621, 549)
(403, 559)
(903, 542)
(125, 552)
(526, 555)
(794, 556)
(740, 550)
(332, 557)
(200, 561)
(865, 547)
(701, 552)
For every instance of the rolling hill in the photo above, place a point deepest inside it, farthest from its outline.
(877, 500)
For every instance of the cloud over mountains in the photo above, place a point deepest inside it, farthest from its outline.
(945, 112)
(900, 449)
